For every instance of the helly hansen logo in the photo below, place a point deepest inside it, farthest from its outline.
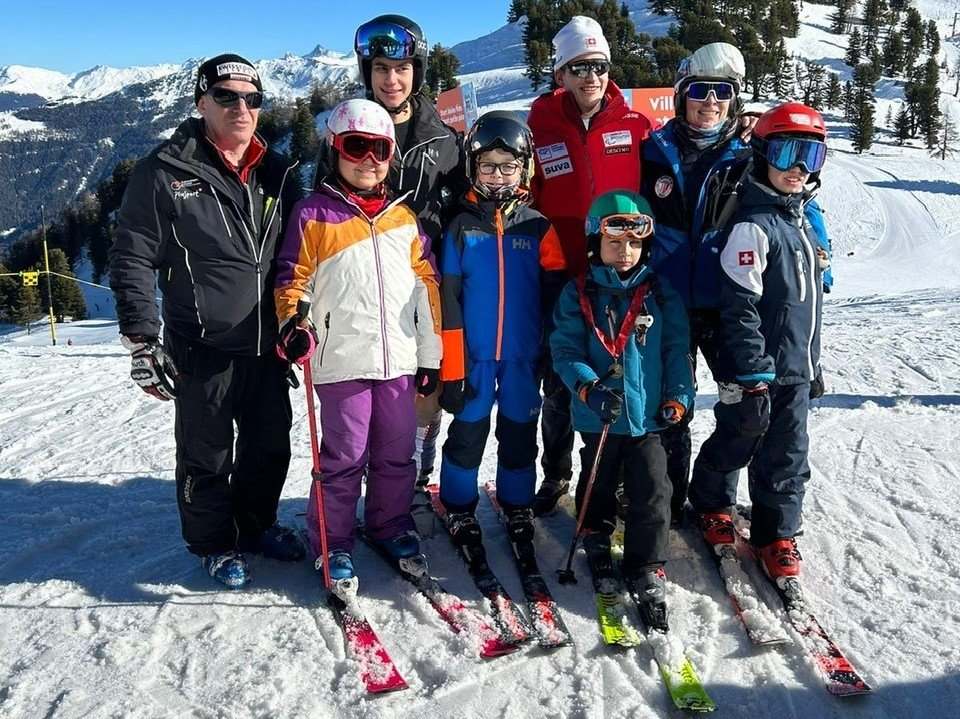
(522, 243)
(745, 258)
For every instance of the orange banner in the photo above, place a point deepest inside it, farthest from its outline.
(654, 102)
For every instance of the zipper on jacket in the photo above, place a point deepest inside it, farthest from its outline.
(222, 213)
(811, 257)
(801, 276)
(498, 219)
(403, 164)
(193, 284)
(326, 336)
(383, 319)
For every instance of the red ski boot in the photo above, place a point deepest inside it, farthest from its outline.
(717, 529)
(780, 560)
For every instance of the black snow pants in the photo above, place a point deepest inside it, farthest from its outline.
(642, 463)
(228, 492)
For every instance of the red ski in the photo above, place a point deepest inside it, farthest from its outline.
(377, 671)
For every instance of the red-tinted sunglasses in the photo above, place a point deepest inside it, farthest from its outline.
(357, 146)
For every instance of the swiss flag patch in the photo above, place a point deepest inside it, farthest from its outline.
(745, 258)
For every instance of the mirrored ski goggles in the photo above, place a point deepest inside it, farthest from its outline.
(583, 68)
(635, 226)
(786, 152)
(358, 146)
(700, 90)
(229, 98)
(385, 39)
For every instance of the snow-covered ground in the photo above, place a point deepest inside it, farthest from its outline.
(104, 614)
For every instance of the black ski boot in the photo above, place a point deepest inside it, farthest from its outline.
(520, 525)
(548, 495)
(465, 530)
(649, 591)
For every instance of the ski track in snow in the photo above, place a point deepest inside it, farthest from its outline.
(106, 615)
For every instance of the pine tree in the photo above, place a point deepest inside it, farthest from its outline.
(893, 54)
(442, 68)
(810, 78)
(861, 133)
(948, 137)
(854, 48)
(518, 8)
(660, 7)
(888, 123)
(26, 305)
(783, 72)
(67, 296)
(901, 125)
(8, 294)
(933, 38)
(304, 141)
(956, 74)
(848, 101)
(874, 17)
(839, 19)
(914, 34)
(323, 96)
(543, 21)
(834, 92)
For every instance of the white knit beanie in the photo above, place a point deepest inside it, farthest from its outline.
(578, 37)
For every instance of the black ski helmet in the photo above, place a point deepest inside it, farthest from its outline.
(500, 129)
(394, 37)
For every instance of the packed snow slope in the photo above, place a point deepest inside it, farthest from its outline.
(104, 613)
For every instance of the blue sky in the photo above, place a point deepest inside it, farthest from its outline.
(74, 36)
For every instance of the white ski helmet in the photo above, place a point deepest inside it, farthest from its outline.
(716, 61)
(358, 115)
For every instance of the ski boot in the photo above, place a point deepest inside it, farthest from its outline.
(230, 568)
(278, 542)
(550, 492)
(717, 530)
(780, 561)
(465, 530)
(404, 549)
(343, 579)
(520, 524)
(649, 591)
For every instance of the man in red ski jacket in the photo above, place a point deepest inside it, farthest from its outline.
(588, 142)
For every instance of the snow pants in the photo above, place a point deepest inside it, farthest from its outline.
(365, 425)
(226, 491)
(705, 336)
(556, 427)
(514, 387)
(642, 463)
(777, 459)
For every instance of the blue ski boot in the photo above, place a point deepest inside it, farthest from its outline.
(278, 542)
(229, 568)
(401, 546)
(343, 579)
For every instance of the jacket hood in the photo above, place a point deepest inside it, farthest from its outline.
(608, 278)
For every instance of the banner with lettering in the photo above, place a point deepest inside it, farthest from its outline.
(654, 102)
(458, 107)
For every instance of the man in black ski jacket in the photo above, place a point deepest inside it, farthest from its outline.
(204, 212)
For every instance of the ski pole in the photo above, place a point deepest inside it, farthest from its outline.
(315, 473)
(567, 576)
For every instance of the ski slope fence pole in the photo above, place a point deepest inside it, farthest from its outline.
(566, 575)
(315, 473)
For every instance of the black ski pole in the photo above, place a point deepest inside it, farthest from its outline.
(567, 576)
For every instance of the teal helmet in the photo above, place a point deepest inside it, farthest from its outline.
(614, 202)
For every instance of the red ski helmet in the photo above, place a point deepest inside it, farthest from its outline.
(791, 118)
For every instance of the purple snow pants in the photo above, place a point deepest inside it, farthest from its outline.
(372, 425)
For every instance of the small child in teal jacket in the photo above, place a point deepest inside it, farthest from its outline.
(620, 345)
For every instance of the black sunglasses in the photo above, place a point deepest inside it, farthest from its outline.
(583, 68)
(228, 98)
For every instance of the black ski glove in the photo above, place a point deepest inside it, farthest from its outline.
(817, 387)
(455, 395)
(296, 343)
(426, 381)
(151, 367)
(606, 403)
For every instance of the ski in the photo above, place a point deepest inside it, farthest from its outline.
(762, 628)
(677, 670)
(377, 671)
(547, 621)
(840, 677)
(611, 609)
(458, 616)
(514, 627)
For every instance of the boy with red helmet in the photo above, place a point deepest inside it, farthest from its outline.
(770, 307)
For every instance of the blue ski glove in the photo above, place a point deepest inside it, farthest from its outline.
(606, 404)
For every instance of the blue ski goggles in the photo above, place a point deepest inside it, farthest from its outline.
(700, 90)
(784, 153)
(385, 39)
